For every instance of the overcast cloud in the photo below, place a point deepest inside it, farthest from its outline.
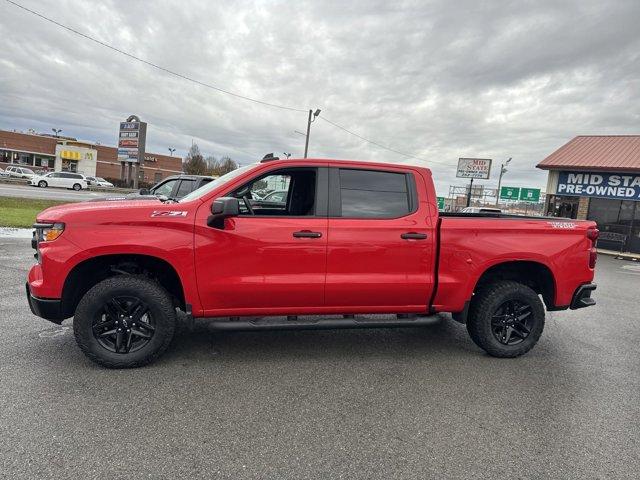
(439, 80)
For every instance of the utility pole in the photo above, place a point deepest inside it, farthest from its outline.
(309, 122)
(469, 193)
(503, 170)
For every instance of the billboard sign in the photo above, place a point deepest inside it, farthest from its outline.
(509, 193)
(530, 194)
(474, 168)
(131, 140)
(623, 186)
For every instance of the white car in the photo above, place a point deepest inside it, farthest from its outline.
(76, 181)
(20, 172)
(3, 173)
(99, 182)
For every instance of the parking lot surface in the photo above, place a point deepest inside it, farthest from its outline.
(59, 194)
(386, 403)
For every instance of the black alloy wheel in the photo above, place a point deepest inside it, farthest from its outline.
(124, 326)
(511, 322)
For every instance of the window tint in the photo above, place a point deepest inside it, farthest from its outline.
(186, 186)
(284, 192)
(166, 188)
(371, 194)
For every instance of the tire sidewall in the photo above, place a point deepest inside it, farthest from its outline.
(79, 187)
(91, 306)
(42, 184)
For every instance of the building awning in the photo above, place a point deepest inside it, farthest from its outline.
(70, 155)
(597, 153)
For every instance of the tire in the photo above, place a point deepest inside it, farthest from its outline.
(97, 318)
(42, 184)
(506, 310)
(77, 186)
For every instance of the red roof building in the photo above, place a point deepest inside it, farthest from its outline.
(597, 177)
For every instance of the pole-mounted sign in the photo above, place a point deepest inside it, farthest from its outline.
(132, 138)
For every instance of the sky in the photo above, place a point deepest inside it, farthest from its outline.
(435, 80)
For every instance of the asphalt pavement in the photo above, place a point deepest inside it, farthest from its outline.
(386, 403)
(50, 193)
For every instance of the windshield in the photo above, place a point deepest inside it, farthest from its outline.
(226, 178)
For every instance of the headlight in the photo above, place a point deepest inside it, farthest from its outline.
(48, 232)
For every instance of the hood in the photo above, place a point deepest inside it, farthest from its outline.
(95, 209)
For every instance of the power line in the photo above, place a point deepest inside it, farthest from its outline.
(151, 64)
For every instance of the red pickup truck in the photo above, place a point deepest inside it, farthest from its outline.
(348, 238)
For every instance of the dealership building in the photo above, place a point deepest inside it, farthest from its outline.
(597, 177)
(46, 152)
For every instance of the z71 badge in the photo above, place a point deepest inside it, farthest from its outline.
(169, 213)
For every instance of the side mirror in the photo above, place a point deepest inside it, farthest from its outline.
(222, 208)
(144, 191)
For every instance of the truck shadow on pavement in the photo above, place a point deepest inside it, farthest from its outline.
(441, 338)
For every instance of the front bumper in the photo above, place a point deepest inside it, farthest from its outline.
(47, 308)
(582, 296)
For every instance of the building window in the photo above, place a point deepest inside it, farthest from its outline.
(157, 177)
(5, 156)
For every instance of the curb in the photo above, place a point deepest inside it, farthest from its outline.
(632, 257)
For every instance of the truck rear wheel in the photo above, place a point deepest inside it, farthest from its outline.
(506, 319)
(124, 322)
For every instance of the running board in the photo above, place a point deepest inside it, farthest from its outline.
(274, 323)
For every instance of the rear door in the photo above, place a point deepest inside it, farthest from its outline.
(381, 249)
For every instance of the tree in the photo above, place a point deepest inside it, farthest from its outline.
(194, 163)
(227, 165)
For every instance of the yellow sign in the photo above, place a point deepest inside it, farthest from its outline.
(70, 155)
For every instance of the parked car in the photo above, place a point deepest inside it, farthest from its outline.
(3, 173)
(279, 196)
(351, 238)
(173, 188)
(99, 182)
(19, 172)
(75, 181)
(481, 210)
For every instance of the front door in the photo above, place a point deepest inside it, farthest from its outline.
(271, 259)
(381, 251)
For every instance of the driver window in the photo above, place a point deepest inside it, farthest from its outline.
(285, 192)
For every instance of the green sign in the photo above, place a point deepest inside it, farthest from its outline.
(440, 203)
(530, 194)
(509, 193)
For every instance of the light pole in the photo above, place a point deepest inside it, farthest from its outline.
(309, 122)
(171, 150)
(286, 155)
(503, 170)
(56, 131)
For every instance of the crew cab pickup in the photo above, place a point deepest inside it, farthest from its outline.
(349, 238)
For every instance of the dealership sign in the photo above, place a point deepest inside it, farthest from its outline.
(606, 185)
(474, 168)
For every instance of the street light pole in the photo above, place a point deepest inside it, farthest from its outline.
(309, 122)
(56, 131)
(503, 170)
(171, 150)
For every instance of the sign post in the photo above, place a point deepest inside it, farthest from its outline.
(473, 168)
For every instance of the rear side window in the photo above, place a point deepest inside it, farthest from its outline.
(373, 194)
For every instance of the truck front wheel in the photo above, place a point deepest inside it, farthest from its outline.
(124, 321)
(506, 319)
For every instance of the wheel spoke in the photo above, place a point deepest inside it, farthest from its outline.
(507, 335)
(108, 333)
(119, 339)
(138, 333)
(104, 324)
(522, 328)
(523, 316)
(146, 326)
(127, 345)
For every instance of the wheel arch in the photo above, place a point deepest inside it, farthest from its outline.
(89, 272)
(535, 275)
